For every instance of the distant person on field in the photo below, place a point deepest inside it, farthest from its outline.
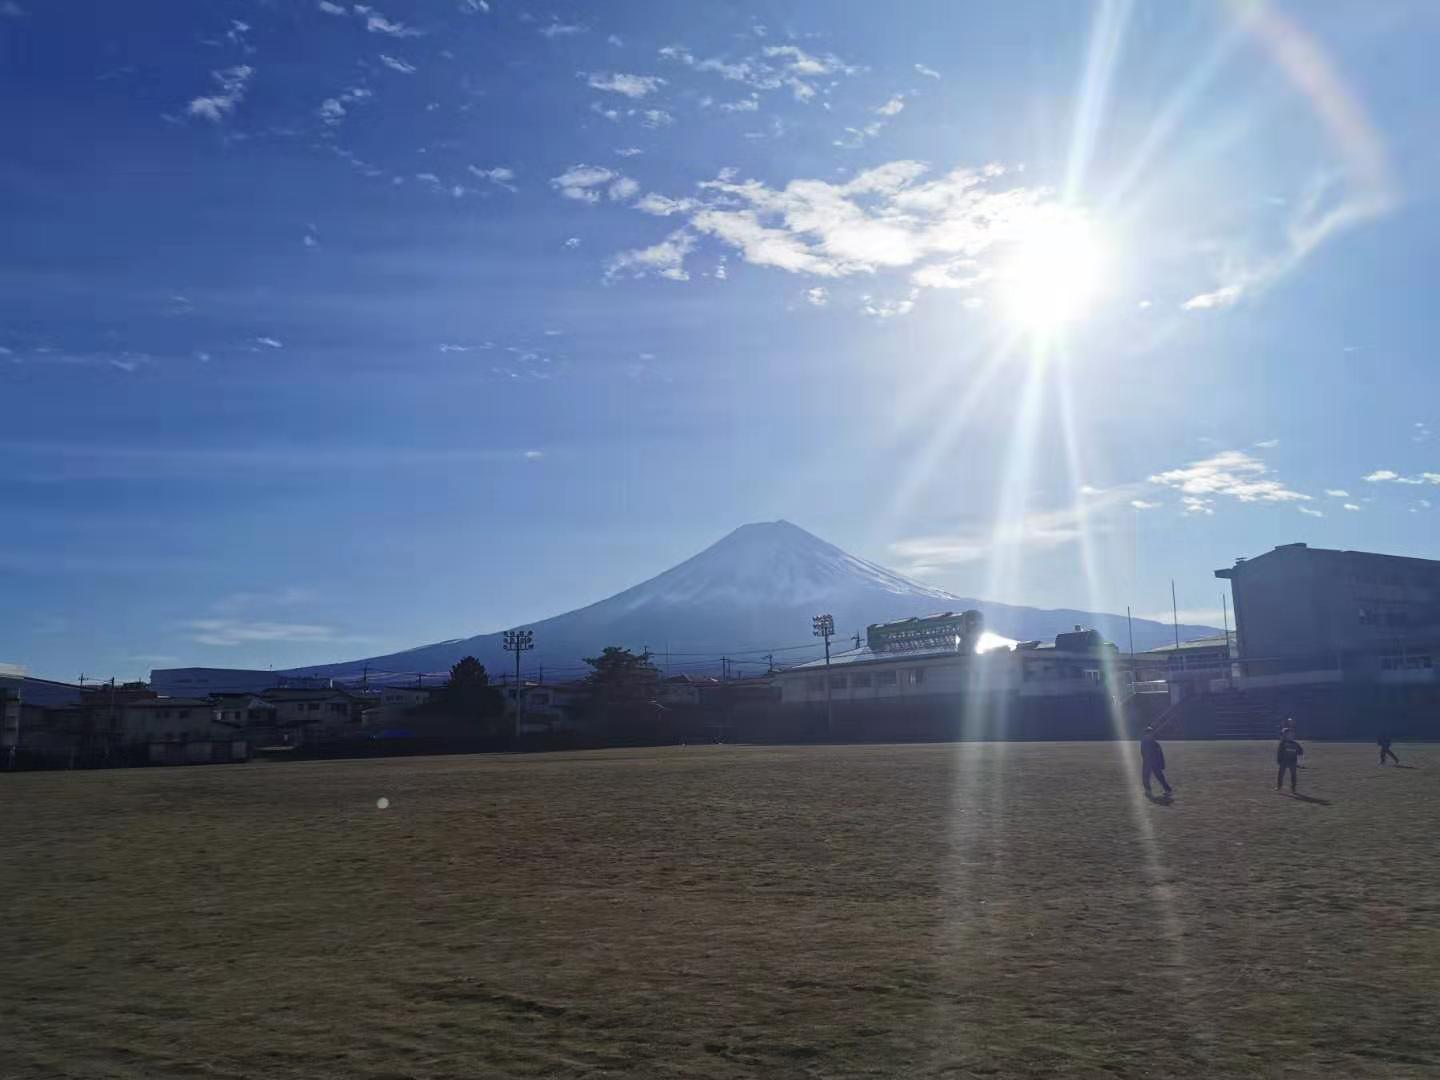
(1152, 761)
(1287, 756)
(1385, 751)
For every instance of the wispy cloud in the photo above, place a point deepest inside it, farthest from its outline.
(263, 599)
(665, 259)
(585, 183)
(772, 68)
(662, 206)
(379, 24)
(1230, 473)
(270, 342)
(233, 82)
(891, 217)
(331, 9)
(1389, 476)
(819, 296)
(1421, 432)
(231, 632)
(892, 107)
(1037, 530)
(1225, 296)
(1268, 444)
(1337, 493)
(632, 86)
(928, 72)
(501, 176)
(9, 9)
(1144, 504)
(1310, 511)
(394, 63)
(1351, 506)
(559, 29)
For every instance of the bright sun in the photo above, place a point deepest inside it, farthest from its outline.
(1057, 269)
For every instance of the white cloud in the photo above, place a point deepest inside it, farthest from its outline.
(1323, 210)
(1038, 530)
(928, 72)
(1194, 504)
(628, 151)
(474, 7)
(573, 242)
(1268, 444)
(800, 62)
(662, 206)
(616, 40)
(623, 188)
(1351, 506)
(501, 176)
(819, 296)
(378, 24)
(854, 137)
(446, 348)
(887, 309)
(1142, 504)
(396, 64)
(309, 241)
(269, 342)
(534, 455)
(1421, 432)
(228, 632)
(1337, 493)
(665, 259)
(1310, 512)
(233, 83)
(580, 182)
(331, 9)
(656, 118)
(1223, 297)
(331, 111)
(559, 29)
(1389, 476)
(1232, 473)
(1193, 616)
(750, 104)
(632, 86)
(892, 107)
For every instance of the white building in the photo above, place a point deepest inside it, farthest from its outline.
(935, 657)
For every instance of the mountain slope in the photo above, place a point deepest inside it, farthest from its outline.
(754, 590)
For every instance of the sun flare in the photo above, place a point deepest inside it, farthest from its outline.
(1056, 272)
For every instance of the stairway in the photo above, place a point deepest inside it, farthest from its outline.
(1236, 715)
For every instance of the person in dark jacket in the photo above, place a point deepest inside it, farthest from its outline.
(1385, 751)
(1287, 756)
(1152, 761)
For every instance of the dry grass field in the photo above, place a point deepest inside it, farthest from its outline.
(930, 911)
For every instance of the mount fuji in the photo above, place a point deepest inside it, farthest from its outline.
(751, 593)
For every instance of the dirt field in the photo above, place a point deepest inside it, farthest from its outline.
(936, 910)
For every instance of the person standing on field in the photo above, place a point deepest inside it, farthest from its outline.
(1152, 761)
(1287, 756)
(1385, 751)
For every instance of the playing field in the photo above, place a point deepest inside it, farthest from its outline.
(932, 910)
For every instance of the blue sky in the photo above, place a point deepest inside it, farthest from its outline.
(327, 330)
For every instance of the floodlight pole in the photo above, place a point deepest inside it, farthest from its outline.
(824, 627)
(518, 641)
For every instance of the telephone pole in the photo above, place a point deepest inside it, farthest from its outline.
(824, 627)
(518, 642)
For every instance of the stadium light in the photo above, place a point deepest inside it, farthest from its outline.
(824, 627)
(518, 641)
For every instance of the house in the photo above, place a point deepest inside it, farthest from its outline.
(171, 719)
(319, 715)
(682, 690)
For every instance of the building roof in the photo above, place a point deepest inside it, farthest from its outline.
(1214, 641)
(169, 703)
(1302, 548)
(302, 695)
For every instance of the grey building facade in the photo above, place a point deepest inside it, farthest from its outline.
(1299, 608)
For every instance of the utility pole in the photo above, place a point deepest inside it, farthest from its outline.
(365, 678)
(1131, 626)
(856, 638)
(770, 659)
(518, 642)
(824, 627)
(1175, 612)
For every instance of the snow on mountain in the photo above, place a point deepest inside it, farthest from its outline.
(753, 591)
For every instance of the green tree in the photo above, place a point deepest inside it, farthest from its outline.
(469, 694)
(619, 676)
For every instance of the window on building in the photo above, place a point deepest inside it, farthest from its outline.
(916, 676)
(314, 706)
(885, 678)
(838, 682)
(862, 682)
(815, 682)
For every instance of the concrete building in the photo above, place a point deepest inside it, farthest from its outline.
(1337, 614)
(1190, 667)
